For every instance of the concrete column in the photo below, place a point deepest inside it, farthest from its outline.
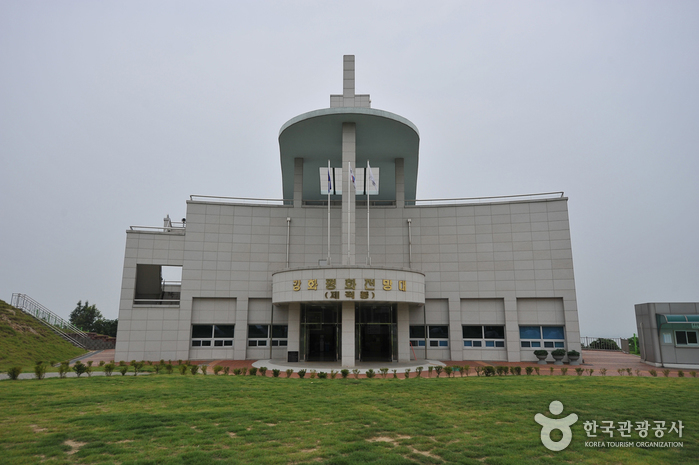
(456, 336)
(298, 182)
(294, 322)
(512, 330)
(348, 77)
(348, 334)
(403, 317)
(400, 182)
(240, 343)
(348, 193)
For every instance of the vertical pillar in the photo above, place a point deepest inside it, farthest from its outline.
(294, 322)
(347, 334)
(348, 192)
(298, 182)
(348, 78)
(240, 343)
(456, 337)
(403, 317)
(512, 330)
(400, 182)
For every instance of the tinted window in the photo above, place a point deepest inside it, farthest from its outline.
(417, 332)
(257, 331)
(494, 332)
(280, 331)
(472, 332)
(553, 332)
(440, 332)
(224, 331)
(202, 331)
(529, 332)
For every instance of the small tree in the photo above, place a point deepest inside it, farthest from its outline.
(40, 370)
(85, 315)
(79, 368)
(14, 372)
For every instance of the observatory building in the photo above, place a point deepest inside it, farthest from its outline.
(349, 266)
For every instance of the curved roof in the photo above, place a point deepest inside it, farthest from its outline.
(381, 137)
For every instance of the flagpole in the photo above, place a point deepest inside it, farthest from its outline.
(368, 250)
(329, 189)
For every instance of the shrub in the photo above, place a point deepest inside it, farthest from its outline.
(252, 371)
(551, 371)
(518, 370)
(101, 363)
(124, 369)
(275, 372)
(464, 369)
(478, 371)
(605, 344)
(407, 373)
(40, 370)
(344, 373)
(89, 363)
(680, 373)
(590, 371)
(203, 369)
(573, 353)
(501, 370)
(122, 363)
(529, 370)
(14, 372)
(79, 368)
(620, 371)
(322, 375)
(244, 371)
(194, 369)
(693, 374)
(302, 373)
(536, 370)
(236, 371)
(541, 352)
(88, 370)
(395, 373)
(418, 370)
(666, 372)
(217, 369)
(653, 373)
(384, 372)
(355, 372)
(448, 371)
(558, 352)
(289, 372)
(263, 371)
(579, 371)
(157, 367)
(438, 369)
(137, 367)
(638, 372)
(603, 371)
(628, 371)
(429, 371)
(109, 369)
(370, 373)
(489, 371)
(333, 374)
(312, 374)
(564, 370)
(226, 370)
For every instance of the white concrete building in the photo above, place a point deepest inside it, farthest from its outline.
(318, 276)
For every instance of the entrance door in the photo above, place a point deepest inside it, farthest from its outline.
(322, 343)
(376, 342)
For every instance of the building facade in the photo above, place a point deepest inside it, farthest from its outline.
(668, 334)
(349, 266)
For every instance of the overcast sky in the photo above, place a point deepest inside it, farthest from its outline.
(113, 113)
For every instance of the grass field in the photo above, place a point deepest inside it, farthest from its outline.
(234, 419)
(24, 341)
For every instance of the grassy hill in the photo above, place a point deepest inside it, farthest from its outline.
(24, 341)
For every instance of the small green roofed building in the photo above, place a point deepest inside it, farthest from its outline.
(668, 334)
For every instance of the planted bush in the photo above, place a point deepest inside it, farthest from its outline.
(236, 371)
(302, 373)
(40, 370)
(579, 371)
(244, 371)
(590, 371)
(653, 373)
(558, 352)
(14, 372)
(275, 373)
(124, 369)
(518, 370)
(157, 367)
(217, 369)
(182, 369)
(333, 374)
(252, 371)
(370, 373)
(680, 373)
(79, 368)
(666, 372)
(312, 374)
(501, 370)
(464, 370)
(489, 371)
(263, 371)
(289, 372)
(109, 369)
(226, 370)
(447, 371)
(429, 371)
(564, 370)
(355, 372)
(407, 373)
(603, 371)
(418, 370)
(203, 369)
(536, 370)
(384, 372)
(478, 370)
(395, 373)
(529, 370)
(693, 374)
(194, 369)
(344, 373)
(322, 375)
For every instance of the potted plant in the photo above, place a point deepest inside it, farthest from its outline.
(541, 355)
(573, 357)
(558, 355)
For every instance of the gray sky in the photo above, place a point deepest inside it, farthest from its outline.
(113, 113)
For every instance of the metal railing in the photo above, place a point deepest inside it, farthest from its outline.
(243, 200)
(162, 229)
(601, 343)
(494, 199)
(63, 328)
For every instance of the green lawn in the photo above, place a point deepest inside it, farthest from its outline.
(229, 419)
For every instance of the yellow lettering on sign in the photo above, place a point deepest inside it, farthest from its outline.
(312, 284)
(349, 294)
(350, 283)
(330, 284)
(369, 284)
(297, 284)
(401, 286)
(364, 294)
(335, 294)
(387, 284)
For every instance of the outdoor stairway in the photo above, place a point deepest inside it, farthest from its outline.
(63, 328)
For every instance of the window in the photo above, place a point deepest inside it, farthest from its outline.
(258, 335)
(686, 338)
(483, 336)
(212, 335)
(437, 336)
(549, 337)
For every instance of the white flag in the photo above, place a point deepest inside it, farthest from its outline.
(354, 181)
(371, 176)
